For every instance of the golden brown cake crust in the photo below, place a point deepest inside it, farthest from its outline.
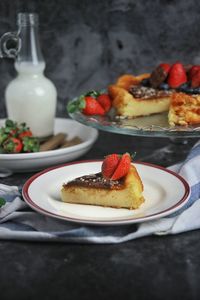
(127, 80)
(184, 109)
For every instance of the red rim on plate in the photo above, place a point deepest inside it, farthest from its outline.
(172, 209)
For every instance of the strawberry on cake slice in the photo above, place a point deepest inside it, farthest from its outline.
(117, 185)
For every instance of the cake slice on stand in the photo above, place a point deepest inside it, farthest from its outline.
(143, 95)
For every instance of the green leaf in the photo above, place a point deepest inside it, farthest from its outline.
(79, 104)
(9, 123)
(133, 155)
(3, 137)
(71, 107)
(7, 130)
(2, 201)
(9, 146)
(30, 144)
(22, 128)
(92, 93)
(2, 130)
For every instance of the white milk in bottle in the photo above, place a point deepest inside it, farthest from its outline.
(31, 97)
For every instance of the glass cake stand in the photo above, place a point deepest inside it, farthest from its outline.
(150, 126)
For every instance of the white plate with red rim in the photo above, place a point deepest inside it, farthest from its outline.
(27, 162)
(165, 192)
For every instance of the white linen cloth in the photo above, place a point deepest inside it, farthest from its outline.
(19, 222)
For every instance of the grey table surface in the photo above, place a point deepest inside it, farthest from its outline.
(147, 268)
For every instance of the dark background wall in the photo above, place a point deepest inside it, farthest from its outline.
(87, 44)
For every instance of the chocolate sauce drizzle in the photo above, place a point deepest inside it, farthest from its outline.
(139, 91)
(96, 181)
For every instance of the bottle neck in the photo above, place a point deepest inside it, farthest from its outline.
(29, 69)
(30, 51)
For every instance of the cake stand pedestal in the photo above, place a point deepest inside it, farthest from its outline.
(176, 150)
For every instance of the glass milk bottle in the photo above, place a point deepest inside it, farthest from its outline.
(30, 97)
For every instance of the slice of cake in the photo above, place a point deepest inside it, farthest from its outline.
(184, 109)
(118, 185)
(135, 96)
